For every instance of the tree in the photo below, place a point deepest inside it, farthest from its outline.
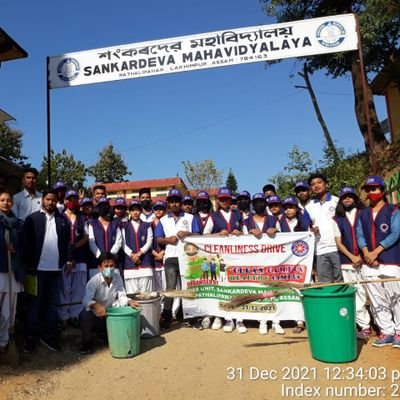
(380, 33)
(110, 166)
(65, 168)
(11, 145)
(202, 175)
(231, 182)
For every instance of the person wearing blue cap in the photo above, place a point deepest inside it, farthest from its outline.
(346, 219)
(292, 219)
(159, 210)
(243, 203)
(138, 242)
(321, 210)
(258, 223)
(120, 211)
(225, 222)
(146, 202)
(378, 237)
(171, 230)
(104, 233)
(302, 192)
(187, 204)
(74, 281)
(60, 187)
(275, 206)
(203, 208)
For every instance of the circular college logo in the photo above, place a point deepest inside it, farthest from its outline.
(68, 69)
(300, 248)
(384, 227)
(331, 34)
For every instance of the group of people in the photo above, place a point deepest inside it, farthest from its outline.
(81, 255)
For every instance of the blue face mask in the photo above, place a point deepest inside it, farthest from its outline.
(108, 272)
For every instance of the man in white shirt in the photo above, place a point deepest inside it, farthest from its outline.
(47, 251)
(28, 200)
(321, 210)
(104, 290)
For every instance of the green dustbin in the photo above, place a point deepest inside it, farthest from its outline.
(331, 325)
(123, 330)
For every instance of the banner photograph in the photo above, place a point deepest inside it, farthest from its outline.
(218, 268)
(208, 50)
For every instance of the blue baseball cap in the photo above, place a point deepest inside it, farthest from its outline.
(103, 200)
(374, 181)
(289, 200)
(119, 201)
(259, 196)
(71, 193)
(86, 200)
(347, 190)
(224, 192)
(274, 199)
(174, 193)
(202, 196)
(301, 185)
(135, 203)
(244, 193)
(59, 185)
(159, 203)
(187, 198)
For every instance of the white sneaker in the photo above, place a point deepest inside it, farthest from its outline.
(263, 329)
(206, 323)
(278, 329)
(241, 328)
(229, 326)
(217, 324)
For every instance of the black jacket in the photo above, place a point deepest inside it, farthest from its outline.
(34, 232)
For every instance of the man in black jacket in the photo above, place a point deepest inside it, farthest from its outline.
(47, 251)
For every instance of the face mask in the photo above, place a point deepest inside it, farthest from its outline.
(103, 211)
(71, 205)
(243, 205)
(120, 213)
(204, 207)
(260, 208)
(375, 197)
(146, 204)
(107, 272)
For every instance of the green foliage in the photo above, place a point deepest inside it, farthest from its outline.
(231, 182)
(65, 168)
(347, 170)
(202, 175)
(11, 145)
(110, 166)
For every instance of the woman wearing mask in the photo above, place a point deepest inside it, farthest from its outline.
(378, 233)
(346, 219)
(74, 280)
(104, 234)
(258, 223)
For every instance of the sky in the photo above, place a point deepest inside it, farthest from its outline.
(244, 117)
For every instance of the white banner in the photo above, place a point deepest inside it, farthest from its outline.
(219, 267)
(208, 50)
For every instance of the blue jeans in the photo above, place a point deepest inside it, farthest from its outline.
(41, 318)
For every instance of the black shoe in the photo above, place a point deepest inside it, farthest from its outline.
(86, 348)
(30, 346)
(165, 320)
(50, 343)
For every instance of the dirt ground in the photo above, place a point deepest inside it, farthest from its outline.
(184, 363)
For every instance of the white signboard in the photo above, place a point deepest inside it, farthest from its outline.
(208, 50)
